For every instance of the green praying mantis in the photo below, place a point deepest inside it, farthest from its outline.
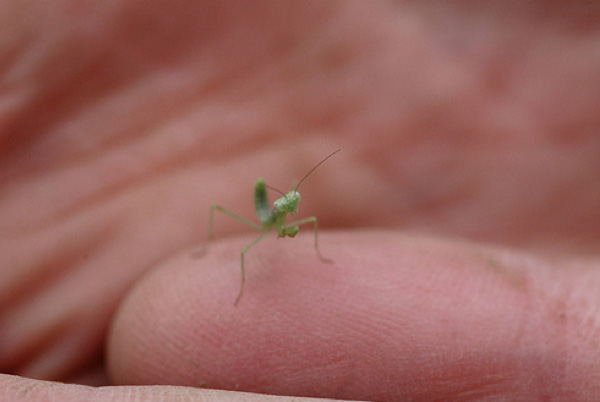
(271, 218)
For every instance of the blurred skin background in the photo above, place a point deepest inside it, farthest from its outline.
(467, 129)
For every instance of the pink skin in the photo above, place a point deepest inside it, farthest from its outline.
(121, 122)
(396, 317)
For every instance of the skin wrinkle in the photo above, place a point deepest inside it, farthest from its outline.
(105, 141)
(57, 107)
(51, 362)
(26, 348)
(177, 161)
(44, 333)
(90, 89)
(75, 328)
(101, 195)
(47, 361)
(50, 266)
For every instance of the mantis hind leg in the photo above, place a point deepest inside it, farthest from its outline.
(259, 238)
(313, 219)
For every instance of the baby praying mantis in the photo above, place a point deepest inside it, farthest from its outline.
(269, 218)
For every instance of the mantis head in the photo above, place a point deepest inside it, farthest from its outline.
(287, 202)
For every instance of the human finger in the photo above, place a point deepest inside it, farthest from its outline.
(394, 318)
(19, 389)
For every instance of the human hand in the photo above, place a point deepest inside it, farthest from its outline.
(123, 122)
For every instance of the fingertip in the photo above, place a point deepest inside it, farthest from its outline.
(187, 308)
(393, 316)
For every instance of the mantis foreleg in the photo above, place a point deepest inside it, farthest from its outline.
(312, 219)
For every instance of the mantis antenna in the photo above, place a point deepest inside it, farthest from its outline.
(316, 166)
(275, 189)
